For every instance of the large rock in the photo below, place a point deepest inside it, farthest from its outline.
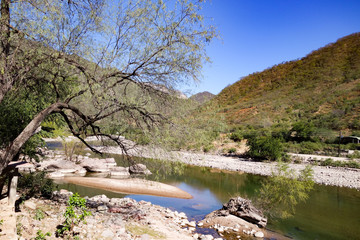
(244, 209)
(139, 169)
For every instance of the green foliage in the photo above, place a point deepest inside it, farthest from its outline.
(41, 236)
(265, 148)
(280, 193)
(236, 136)
(231, 150)
(321, 87)
(39, 214)
(302, 131)
(72, 149)
(208, 148)
(74, 214)
(36, 184)
(354, 155)
(332, 163)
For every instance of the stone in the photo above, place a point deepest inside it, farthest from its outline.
(192, 224)
(206, 237)
(259, 234)
(196, 236)
(145, 237)
(119, 172)
(139, 169)
(181, 215)
(244, 209)
(61, 196)
(200, 224)
(30, 205)
(107, 234)
(102, 208)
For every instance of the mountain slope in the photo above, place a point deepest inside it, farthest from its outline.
(202, 97)
(324, 86)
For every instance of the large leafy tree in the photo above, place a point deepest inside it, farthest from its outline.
(117, 55)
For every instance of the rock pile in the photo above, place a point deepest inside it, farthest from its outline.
(57, 165)
(244, 209)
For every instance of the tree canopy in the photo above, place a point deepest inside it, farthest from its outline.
(87, 61)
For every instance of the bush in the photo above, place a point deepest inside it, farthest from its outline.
(302, 131)
(74, 214)
(232, 150)
(236, 136)
(265, 148)
(310, 147)
(35, 185)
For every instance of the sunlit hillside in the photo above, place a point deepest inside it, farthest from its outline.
(324, 86)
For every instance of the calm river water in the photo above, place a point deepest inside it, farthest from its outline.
(329, 213)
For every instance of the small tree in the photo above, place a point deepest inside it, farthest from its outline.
(280, 193)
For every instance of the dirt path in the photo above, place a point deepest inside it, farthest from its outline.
(8, 218)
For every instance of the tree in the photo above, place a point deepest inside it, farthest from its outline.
(94, 60)
(280, 193)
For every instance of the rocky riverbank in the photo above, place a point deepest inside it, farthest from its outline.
(115, 218)
(336, 176)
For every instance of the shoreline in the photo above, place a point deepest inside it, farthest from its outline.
(326, 175)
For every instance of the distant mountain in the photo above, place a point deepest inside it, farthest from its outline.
(202, 97)
(323, 87)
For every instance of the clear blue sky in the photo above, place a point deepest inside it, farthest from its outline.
(257, 34)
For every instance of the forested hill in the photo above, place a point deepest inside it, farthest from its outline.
(323, 87)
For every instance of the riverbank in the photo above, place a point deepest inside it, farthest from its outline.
(111, 218)
(335, 176)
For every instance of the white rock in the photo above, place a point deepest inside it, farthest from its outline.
(192, 224)
(200, 224)
(30, 205)
(259, 234)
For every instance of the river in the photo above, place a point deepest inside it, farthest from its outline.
(329, 213)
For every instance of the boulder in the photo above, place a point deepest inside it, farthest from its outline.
(139, 169)
(244, 209)
(119, 172)
(61, 196)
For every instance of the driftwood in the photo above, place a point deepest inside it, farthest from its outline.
(244, 209)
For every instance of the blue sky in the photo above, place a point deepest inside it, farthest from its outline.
(257, 34)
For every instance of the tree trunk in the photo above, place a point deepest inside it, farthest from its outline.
(13, 148)
(5, 81)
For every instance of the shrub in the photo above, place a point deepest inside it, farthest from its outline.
(310, 147)
(232, 150)
(354, 155)
(74, 214)
(265, 148)
(302, 131)
(207, 148)
(35, 185)
(236, 136)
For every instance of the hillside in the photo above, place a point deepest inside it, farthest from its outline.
(202, 97)
(324, 86)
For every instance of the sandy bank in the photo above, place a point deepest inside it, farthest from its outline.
(130, 186)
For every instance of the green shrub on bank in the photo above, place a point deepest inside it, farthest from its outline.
(36, 185)
(332, 163)
(265, 148)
